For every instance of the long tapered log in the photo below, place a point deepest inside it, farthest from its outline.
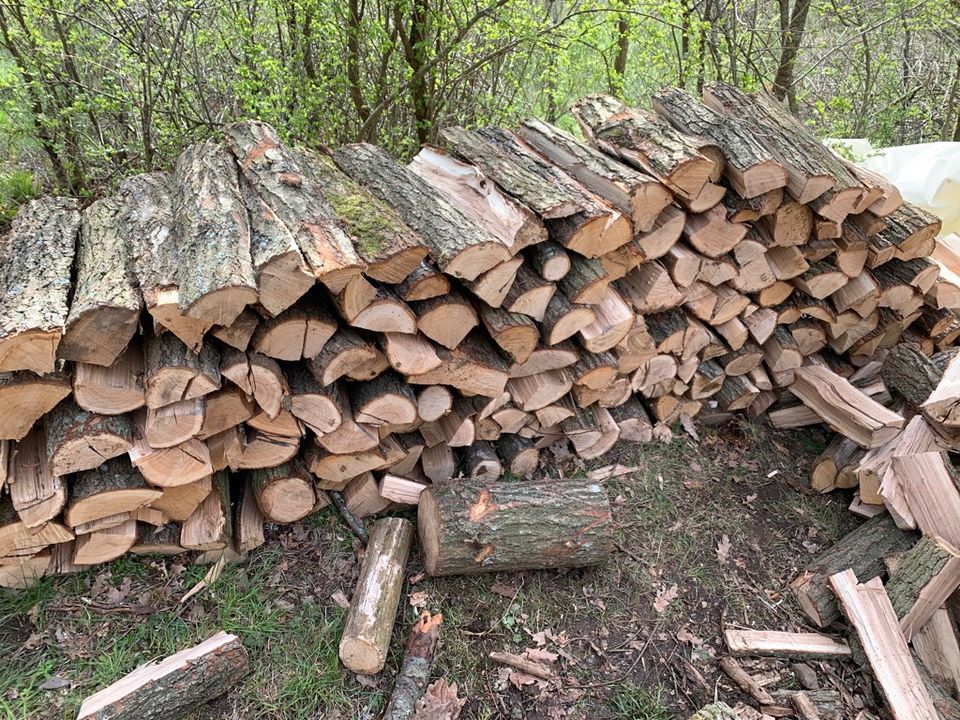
(647, 142)
(373, 609)
(173, 372)
(471, 192)
(33, 396)
(460, 247)
(80, 440)
(862, 550)
(477, 526)
(635, 194)
(274, 172)
(106, 302)
(174, 686)
(869, 611)
(575, 218)
(214, 268)
(36, 256)
(750, 167)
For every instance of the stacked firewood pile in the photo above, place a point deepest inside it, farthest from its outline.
(265, 329)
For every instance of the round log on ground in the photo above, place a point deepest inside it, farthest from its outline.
(373, 608)
(415, 671)
(472, 526)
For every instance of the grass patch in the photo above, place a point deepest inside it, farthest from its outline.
(631, 702)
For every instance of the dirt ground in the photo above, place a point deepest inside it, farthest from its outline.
(706, 530)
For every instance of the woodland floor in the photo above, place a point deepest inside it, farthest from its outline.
(704, 528)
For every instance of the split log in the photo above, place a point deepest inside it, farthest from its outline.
(114, 487)
(180, 465)
(931, 493)
(263, 450)
(174, 424)
(258, 376)
(529, 294)
(574, 217)
(349, 436)
(33, 396)
(438, 462)
(470, 191)
(36, 257)
(938, 650)
(833, 465)
(940, 408)
(299, 332)
(474, 367)
(248, 522)
(750, 168)
(284, 493)
(648, 289)
(401, 490)
(238, 333)
(790, 645)
(19, 540)
(174, 686)
(633, 421)
(519, 455)
(745, 681)
(549, 260)
(409, 354)
(911, 232)
(613, 319)
(106, 303)
(869, 611)
(862, 550)
(214, 269)
(533, 392)
(79, 440)
(845, 408)
(480, 462)
(711, 234)
(476, 526)
(210, 526)
(563, 320)
(37, 494)
(423, 283)
(515, 334)
(385, 400)
(641, 139)
(343, 354)
(910, 373)
(460, 247)
(415, 669)
(925, 576)
(274, 172)
(635, 194)
(225, 409)
(446, 320)
(173, 372)
(180, 501)
(789, 225)
(104, 545)
(111, 390)
(308, 401)
(163, 540)
(820, 280)
(373, 609)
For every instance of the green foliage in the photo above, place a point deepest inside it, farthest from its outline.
(16, 187)
(632, 702)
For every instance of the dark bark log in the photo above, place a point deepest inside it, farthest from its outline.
(415, 670)
(911, 374)
(862, 551)
(106, 303)
(174, 686)
(274, 173)
(80, 440)
(472, 526)
(459, 246)
(36, 257)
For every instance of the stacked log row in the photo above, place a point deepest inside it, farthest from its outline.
(229, 343)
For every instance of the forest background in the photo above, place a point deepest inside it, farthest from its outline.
(94, 90)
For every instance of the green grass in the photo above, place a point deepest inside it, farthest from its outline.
(631, 702)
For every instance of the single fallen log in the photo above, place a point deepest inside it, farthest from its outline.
(868, 609)
(174, 686)
(106, 303)
(794, 646)
(415, 670)
(373, 609)
(862, 550)
(472, 526)
(36, 257)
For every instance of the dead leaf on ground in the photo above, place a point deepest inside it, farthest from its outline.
(340, 599)
(439, 702)
(687, 422)
(542, 656)
(519, 679)
(55, 682)
(418, 599)
(723, 550)
(504, 590)
(666, 596)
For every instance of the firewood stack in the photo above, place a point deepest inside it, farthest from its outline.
(218, 346)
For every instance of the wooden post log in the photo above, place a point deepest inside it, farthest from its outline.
(106, 303)
(750, 168)
(635, 194)
(36, 256)
(868, 609)
(214, 268)
(284, 493)
(274, 172)
(479, 198)
(373, 608)
(174, 686)
(460, 247)
(862, 550)
(114, 487)
(79, 440)
(33, 396)
(649, 143)
(577, 219)
(473, 526)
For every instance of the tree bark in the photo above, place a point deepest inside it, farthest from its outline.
(80, 440)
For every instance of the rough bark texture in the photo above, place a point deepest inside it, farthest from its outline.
(80, 440)
(415, 670)
(173, 687)
(472, 526)
(862, 550)
(910, 373)
(447, 232)
(924, 578)
(106, 303)
(113, 487)
(373, 609)
(36, 256)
